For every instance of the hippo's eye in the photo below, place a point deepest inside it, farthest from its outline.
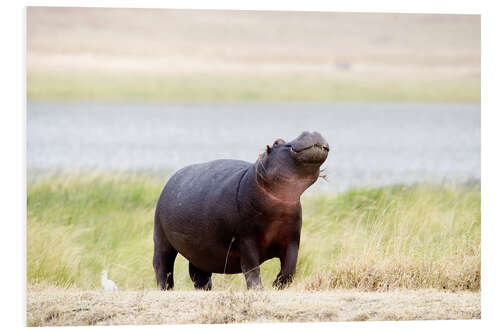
(278, 142)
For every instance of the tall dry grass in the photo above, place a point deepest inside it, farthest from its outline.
(409, 237)
(421, 236)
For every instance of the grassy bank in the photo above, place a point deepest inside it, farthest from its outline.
(369, 239)
(95, 86)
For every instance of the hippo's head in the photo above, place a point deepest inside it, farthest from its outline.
(289, 168)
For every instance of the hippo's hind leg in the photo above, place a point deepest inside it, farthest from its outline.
(163, 263)
(201, 279)
(163, 260)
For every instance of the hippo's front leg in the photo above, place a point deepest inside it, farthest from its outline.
(249, 262)
(288, 261)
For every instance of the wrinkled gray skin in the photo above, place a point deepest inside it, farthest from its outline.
(229, 216)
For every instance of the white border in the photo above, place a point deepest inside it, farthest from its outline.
(421, 6)
(12, 129)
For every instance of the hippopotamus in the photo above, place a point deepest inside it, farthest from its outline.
(229, 216)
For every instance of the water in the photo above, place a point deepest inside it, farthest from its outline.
(372, 143)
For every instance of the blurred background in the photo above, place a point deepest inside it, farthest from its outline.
(396, 95)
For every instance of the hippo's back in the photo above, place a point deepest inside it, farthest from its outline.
(197, 209)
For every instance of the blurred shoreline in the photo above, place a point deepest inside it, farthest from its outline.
(212, 55)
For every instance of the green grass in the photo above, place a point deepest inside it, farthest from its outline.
(371, 239)
(93, 86)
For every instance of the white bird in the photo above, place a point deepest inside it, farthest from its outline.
(107, 284)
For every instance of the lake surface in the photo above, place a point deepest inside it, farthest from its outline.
(371, 143)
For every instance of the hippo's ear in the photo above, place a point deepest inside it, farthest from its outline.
(278, 142)
(268, 149)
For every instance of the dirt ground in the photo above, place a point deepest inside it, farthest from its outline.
(50, 306)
